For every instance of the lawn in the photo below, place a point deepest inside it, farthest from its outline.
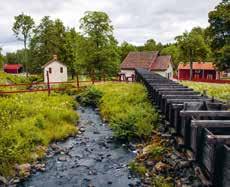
(219, 91)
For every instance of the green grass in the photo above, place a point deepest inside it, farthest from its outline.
(126, 108)
(6, 78)
(219, 91)
(29, 121)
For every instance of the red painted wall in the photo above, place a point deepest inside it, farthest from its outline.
(13, 71)
(183, 74)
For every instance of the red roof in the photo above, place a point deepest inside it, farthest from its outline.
(198, 66)
(139, 60)
(12, 66)
(148, 60)
(161, 63)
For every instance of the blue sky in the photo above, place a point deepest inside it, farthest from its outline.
(134, 21)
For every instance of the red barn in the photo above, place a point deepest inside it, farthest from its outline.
(201, 71)
(13, 68)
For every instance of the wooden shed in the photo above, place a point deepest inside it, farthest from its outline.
(13, 68)
(201, 71)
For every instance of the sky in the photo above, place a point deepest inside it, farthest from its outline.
(134, 21)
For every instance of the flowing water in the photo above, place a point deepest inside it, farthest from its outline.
(94, 159)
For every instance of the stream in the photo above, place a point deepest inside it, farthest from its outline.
(94, 159)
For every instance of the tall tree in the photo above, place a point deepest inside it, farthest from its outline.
(103, 56)
(193, 48)
(219, 30)
(22, 28)
(1, 58)
(48, 39)
(174, 51)
(150, 45)
(125, 48)
(70, 50)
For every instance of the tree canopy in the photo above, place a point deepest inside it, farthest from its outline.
(22, 28)
(101, 55)
(219, 31)
(95, 51)
(192, 47)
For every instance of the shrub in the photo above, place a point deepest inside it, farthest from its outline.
(155, 151)
(90, 97)
(138, 168)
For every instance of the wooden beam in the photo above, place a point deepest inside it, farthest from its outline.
(202, 113)
(222, 139)
(210, 123)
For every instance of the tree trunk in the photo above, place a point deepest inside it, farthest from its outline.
(25, 56)
(190, 64)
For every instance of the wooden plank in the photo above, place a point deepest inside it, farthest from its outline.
(218, 113)
(210, 123)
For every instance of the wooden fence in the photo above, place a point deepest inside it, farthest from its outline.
(53, 86)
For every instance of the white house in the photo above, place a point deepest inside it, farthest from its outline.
(57, 71)
(150, 60)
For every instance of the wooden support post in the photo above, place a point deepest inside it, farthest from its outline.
(48, 82)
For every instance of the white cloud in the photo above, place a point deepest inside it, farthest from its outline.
(133, 20)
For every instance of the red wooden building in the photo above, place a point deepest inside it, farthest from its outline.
(13, 68)
(201, 71)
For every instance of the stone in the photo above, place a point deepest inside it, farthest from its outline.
(96, 132)
(40, 167)
(15, 181)
(184, 164)
(57, 149)
(166, 135)
(110, 182)
(23, 169)
(92, 172)
(150, 163)
(3, 180)
(160, 166)
(62, 158)
(82, 129)
(131, 185)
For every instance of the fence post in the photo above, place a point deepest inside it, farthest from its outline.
(48, 82)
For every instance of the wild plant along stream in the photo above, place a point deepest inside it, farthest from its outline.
(92, 158)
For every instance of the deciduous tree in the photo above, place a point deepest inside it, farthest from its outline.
(125, 48)
(22, 28)
(219, 20)
(192, 47)
(102, 54)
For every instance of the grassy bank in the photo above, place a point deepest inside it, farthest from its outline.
(126, 108)
(131, 116)
(29, 122)
(219, 91)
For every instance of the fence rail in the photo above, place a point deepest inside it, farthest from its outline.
(50, 86)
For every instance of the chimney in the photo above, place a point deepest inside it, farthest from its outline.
(54, 57)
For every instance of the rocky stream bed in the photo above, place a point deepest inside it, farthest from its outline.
(92, 158)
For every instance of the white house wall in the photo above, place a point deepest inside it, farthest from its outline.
(169, 72)
(56, 75)
(128, 73)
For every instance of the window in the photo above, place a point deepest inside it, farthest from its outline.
(50, 70)
(61, 69)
